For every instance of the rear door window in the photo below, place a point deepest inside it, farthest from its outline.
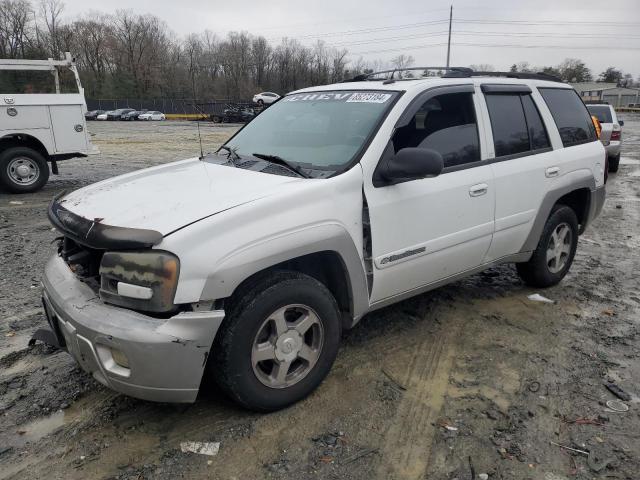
(570, 114)
(508, 124)
(537, 132)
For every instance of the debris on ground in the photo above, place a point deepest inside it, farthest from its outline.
(617, 406)
(202, 448)
(536, 297)
(617, 391)
(583, 452)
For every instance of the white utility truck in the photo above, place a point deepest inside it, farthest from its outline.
(42, 109)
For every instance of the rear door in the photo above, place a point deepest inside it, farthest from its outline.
(524, 164)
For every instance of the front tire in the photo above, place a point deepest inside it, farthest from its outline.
(614, 163)
(23, 170)
(278, 341)
(554, 254)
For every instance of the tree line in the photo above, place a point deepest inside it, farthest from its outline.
(128, 55)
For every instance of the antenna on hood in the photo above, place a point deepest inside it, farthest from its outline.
(195, 104)
(200, 139)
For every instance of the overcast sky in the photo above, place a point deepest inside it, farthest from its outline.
(496, 32)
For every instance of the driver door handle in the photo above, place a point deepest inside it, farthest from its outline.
(479, 189)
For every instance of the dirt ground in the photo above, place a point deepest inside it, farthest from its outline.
(472, 379)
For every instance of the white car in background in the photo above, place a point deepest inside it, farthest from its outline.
(103, 116)
(611, 132)
(153, 115)
(265, 98)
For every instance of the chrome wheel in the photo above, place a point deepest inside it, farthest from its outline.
(23, 171)
(559, 247)
(287, 346)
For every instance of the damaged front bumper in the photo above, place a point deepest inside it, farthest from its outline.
(165, 358)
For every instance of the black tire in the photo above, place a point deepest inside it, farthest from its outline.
(614, 163)
(230, 362)
(537, 271)
(260, 102)
(8, 178)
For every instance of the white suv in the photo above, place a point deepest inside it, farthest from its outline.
(245, 265)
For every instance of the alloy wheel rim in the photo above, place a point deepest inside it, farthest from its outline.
(287, 346)
(23, 171)
(559, 248)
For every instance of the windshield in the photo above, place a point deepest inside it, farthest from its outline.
(319, 130)
(602, 112)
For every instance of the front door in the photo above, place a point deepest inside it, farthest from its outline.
(428, 230)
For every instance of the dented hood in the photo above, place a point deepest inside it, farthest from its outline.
(168, 197)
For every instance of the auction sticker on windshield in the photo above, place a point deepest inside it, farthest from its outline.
(369, 97)
(353, 97)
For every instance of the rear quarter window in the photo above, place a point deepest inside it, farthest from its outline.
(570, 114)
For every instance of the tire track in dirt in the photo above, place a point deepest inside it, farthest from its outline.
(408, 440)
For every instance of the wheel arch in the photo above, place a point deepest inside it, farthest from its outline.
(23, 140)
(576, 193)
(325, 252)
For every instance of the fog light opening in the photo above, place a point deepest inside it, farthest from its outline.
(119, 358)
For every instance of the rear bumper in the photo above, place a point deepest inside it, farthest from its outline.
(166, 357)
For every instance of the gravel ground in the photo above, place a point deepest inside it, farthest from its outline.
(470, 379)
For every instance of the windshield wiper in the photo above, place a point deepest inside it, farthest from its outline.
(232, 154)
(281, 161)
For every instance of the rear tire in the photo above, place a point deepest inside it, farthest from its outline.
(23, 170)
(278, 341)
(554, 254)
(614, 163)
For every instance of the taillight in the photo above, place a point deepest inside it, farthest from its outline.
(616, 135)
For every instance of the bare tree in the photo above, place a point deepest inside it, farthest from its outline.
(52, 10)
(15, 28)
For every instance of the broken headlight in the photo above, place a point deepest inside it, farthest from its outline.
(144, 280)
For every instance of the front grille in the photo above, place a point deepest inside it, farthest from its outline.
(83, 261)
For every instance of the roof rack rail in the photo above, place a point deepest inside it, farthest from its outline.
(442, 71)
(447, 72)
(520, 75)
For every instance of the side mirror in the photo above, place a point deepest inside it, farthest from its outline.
(621, 123)
(410, 164)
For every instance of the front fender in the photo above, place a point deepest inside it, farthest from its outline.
(239, 265)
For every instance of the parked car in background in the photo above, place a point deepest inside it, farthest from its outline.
(103, 116)
(93, 114)
(117, 114)
(265, 98)
(245, 265)
(133, 115)
(153, 115)
(611, 137)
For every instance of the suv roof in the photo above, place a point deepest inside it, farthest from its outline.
(452, 76)
(421, 83)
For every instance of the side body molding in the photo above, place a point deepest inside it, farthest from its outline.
(236, 267)
(572, 181)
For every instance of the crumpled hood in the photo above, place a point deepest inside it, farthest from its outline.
(168, 197)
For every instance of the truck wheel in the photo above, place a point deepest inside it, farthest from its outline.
(552, 258)
(278, 341)
(614, 163)
(23, 170)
